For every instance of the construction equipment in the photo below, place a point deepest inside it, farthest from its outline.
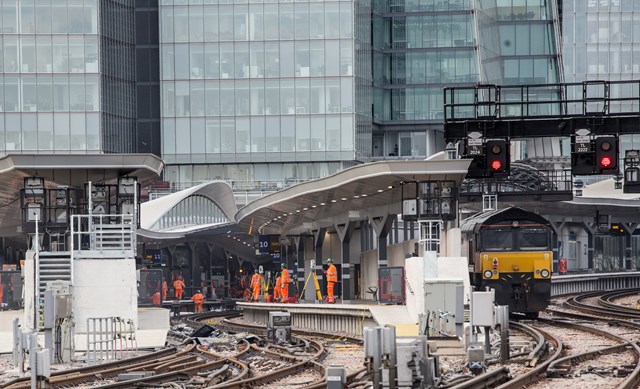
(316, 284)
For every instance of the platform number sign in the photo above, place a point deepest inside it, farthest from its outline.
(264, 242)
(269, 245)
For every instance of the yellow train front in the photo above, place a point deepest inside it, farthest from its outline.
(510, 250)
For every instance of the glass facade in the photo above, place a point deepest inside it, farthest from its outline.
(52, 79)
(419, 46)
(261, 82)
(267, 90)
(519, 40)
(601, 41)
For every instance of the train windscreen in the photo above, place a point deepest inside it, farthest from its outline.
(532, 238)
(497, 239)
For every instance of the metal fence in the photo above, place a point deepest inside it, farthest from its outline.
(110, 338)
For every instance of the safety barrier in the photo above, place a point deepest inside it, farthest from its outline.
(100, 236)
(332, 319)
(576, 283)
(110, 338)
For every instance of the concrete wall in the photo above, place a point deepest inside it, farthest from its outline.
(104, 288)
(29, 281)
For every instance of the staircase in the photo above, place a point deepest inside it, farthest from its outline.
(53, 266)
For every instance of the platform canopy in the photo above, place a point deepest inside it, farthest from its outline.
(66, 170)
(368, 190)
(600, 197)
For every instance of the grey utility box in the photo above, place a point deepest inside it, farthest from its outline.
(482, 309)
(444, 304)
(279, 327)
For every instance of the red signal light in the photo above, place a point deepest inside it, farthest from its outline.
(496, 165)
(605, 162)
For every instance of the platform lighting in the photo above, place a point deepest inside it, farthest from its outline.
(323, 204)
(364, 195)
(390, 187)
(333, 201)
(314, 206)
(380, 190)
(305, 209)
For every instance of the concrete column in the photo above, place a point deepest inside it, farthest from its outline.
(590, 250)
(207, 266)
(292, 259)
(318, 237)
(382, 226)
(298, 244)
(195, 268)
(345, 231)
(172, 255)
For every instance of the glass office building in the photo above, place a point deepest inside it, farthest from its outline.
(67, 76)
(601, 41)
(419, 47)
(268, 91)
(264, 91)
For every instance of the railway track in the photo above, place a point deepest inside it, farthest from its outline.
(605, 305)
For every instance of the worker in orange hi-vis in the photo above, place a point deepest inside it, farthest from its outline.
(276, 288)
(256, 282)
(179, 286)
(285, 281)
(1, 293)
(198, 300)
(332, 278)
(164, 289)
(155, 299)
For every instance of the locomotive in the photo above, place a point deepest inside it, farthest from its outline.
(511, 251)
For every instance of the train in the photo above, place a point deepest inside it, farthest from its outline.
(511, 251)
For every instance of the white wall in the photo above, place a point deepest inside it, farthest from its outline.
(104, 288)
(28, 290)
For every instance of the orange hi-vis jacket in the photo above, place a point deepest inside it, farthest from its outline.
(255, 280)
(278, 283)
(178, 284)
(285, 277)
(332, 273)
(198, 298)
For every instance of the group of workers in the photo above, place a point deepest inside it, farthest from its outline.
(178, 286)
(280, 288)
(283, 279)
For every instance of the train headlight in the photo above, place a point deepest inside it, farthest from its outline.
(488, 274)
(544, 273)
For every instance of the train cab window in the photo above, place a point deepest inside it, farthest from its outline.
(533, 238)
(497, 239)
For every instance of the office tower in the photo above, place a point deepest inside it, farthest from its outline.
(68, 76)
(264, 92)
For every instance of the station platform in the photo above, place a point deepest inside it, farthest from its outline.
(348, 319)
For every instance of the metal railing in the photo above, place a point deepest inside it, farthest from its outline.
(542, 100)
(110, 338)
(104, 234)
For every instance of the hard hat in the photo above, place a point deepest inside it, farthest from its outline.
(198, 291)
(284, 265)
(255, 271)
(329, 260)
